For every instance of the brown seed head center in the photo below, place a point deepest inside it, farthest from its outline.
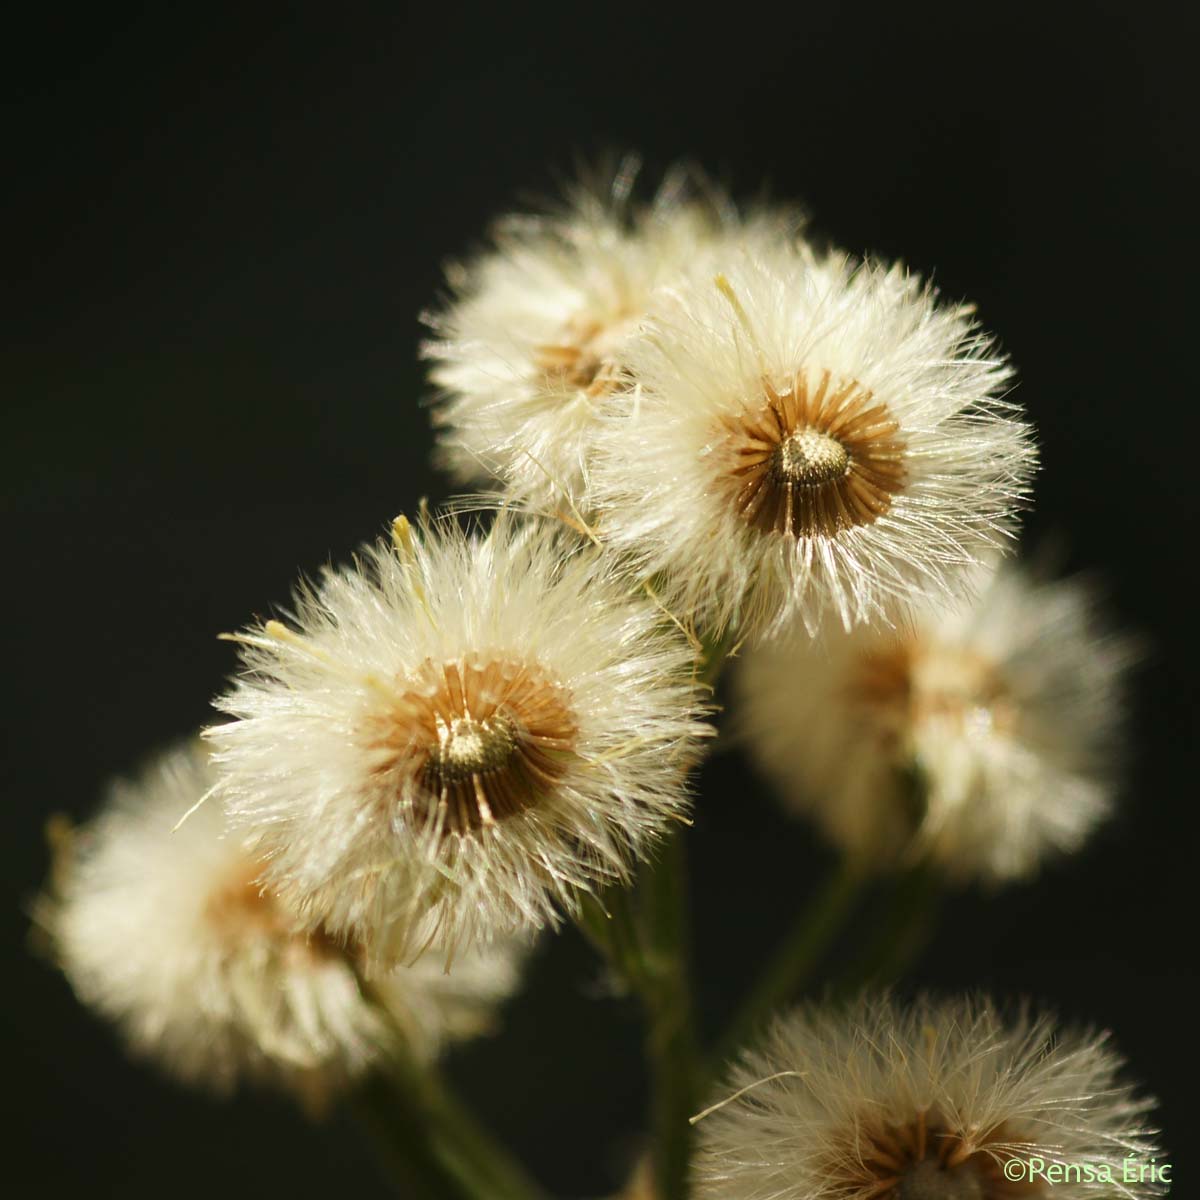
(930, 1179)
(582, 358)
(473, 742)
(809, 458)
(907, 683)
(925, 1158)
(815, 456)
(240, 911)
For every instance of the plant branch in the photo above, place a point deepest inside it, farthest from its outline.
(817, 925)
(671, 1039)
(426, 1137)
(912, 909)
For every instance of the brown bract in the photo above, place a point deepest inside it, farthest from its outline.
(580, 360)
(814, 458)
(476, 741)
(909, 681)
(241, 909)
(926, 1159)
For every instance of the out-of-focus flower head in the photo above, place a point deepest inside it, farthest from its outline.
(534, 339)
(984, 737)
(167, 932)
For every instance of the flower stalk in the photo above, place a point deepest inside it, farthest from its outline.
(796, 959)
(900, 935)
(431, 1144)
(671, 1039)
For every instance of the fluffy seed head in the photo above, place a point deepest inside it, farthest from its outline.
(984, 737)
(535, 337)
(170, 934)
(929, 1102)
(458, 734)
(809, 437)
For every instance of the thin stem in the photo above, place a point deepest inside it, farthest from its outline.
(425, 1135)
(810, 937)
(422, 1126)
(611, 924)
(404, 1146)
(671, 1039)
(645, 938)
(912, 909)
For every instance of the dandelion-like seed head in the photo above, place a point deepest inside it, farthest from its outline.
(985, 737)
(928, 1102)
(458, 736)
(168, 930)
(535, 339)
(808, 437)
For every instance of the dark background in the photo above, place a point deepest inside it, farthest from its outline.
(218, 233)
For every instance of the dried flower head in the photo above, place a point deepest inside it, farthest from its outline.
(808, 436)
(459, 733)
(535, 337)
(940, 1101)
(984, 737)
(168, 933)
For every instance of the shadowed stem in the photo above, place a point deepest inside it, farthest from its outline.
(902, 934)
(430, 1143)
(814, 931)
(405, 1148)
(644, 935)
(671, 1043)
(611, 923)
(642, 932)
(671, 1039)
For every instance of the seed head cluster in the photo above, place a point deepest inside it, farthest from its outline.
(694, 434)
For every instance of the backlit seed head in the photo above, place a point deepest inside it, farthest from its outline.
(878, 1100)
(458, 736)
(807, 438)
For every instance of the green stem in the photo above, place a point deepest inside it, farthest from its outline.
(404, 1146)
(421, 1123)
(901, 935)
(427, 1138)
(671, 1039)
(810, 937)
(645, 938)
(610, 923)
